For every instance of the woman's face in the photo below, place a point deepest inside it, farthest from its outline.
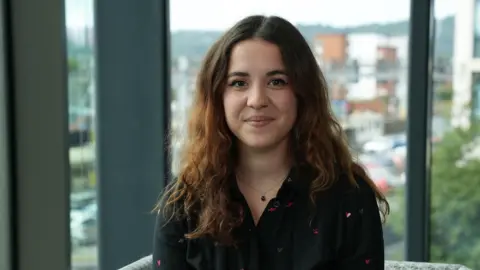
(259, 102)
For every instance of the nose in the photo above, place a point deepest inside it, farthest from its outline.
(257, 97)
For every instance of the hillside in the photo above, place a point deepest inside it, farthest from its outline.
(194, 44)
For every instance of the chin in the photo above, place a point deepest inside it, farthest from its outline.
(258, 145)
(262, 143)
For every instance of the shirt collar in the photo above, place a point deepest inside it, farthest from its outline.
(298, 180)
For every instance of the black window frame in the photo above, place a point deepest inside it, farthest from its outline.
(133, 107)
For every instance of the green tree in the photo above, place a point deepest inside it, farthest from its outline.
(455, 205)
(445, 93)
(455, 201)
(73, 65)
(443, 101)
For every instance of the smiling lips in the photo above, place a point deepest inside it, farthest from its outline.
(259, 121)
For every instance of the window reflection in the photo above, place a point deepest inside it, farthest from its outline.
(364, 58)
(454, 233)
(81, 117)
(365, 61)
(476, 34)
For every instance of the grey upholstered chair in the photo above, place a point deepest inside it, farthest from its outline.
(145, 263)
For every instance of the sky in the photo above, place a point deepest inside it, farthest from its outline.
(221, 14)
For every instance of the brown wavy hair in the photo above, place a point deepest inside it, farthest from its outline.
(201, 190)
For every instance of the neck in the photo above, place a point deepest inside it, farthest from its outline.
(264, 167)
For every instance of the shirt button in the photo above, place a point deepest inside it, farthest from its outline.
(276, 204)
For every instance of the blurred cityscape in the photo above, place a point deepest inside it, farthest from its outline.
(366, 68)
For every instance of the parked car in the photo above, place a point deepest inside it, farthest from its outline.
(81, 199)
(83, 225)
(384, 178)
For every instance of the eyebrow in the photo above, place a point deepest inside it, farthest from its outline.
(245, 74)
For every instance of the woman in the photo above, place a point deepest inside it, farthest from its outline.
(267, 180)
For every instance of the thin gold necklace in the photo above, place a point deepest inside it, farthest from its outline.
(263, 194)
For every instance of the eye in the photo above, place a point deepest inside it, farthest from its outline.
(277, 82)
(237, 84)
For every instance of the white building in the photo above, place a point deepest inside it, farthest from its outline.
(365, 66)
(366, 125)
(183, 87)
(364, 48)
(81, 36)
(466, 62)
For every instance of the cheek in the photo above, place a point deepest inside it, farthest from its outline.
(288, 105)
(290, 112)
(231, 109)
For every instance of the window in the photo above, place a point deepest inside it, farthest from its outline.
(81, 117)
(455, 169)
(324, 24)
(475, 111)
(476, 27)
(118, 100)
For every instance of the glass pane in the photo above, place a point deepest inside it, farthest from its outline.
(81, 110)
(364, 56)
(476, 25)
(455, 204)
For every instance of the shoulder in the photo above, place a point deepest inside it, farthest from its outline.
(172, 217)
(344, 186)
(347, 193)
(359, 198)
(359, 222)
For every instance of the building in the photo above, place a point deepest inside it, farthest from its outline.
(365, 67)
(466, 63)
(366, 125)
(81, 36)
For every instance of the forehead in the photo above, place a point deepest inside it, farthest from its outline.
(255, 56)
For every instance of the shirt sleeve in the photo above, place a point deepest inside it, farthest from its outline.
(361, 231)
(169, 247)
